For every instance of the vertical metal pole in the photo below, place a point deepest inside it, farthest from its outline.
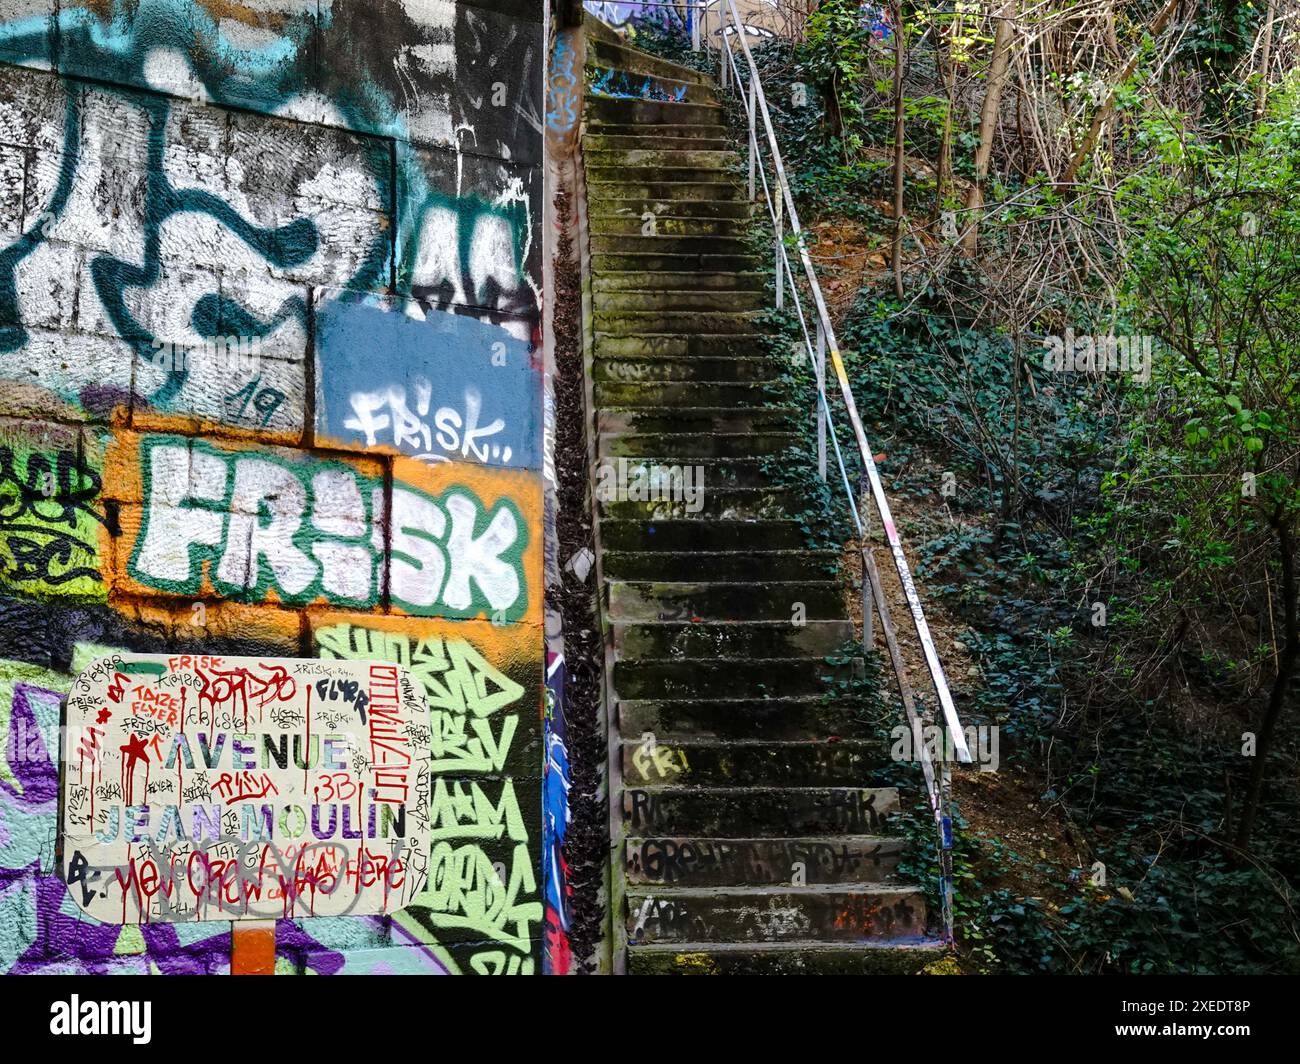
(723, 49)
(697, 12)
(821, 402)
(779, 227)
(945, 844)
(753, 139)
(868, 604)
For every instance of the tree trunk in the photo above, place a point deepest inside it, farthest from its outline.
(1261, 93)
(943, 174)
(1003, 35)
(1286, 666)
(1103, 112)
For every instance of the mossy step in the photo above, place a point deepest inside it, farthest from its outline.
(824, 913)
(663, 244)
(692, 535)
(783, 958)
(662, 190)
(766, 812)
(632, 371)
(701, 505)
(730, 566)
(664, 417)
(662, 157)
(704, 862)
(703, 345)
(736, 639)
(645, 300)
(698, 393)
(744, 719)
(637, 322)
(603, 262)
(661, 134)
(609, 110)
(678, 281)
(735, 209)
(843, 763)
(683, 445)
(775, 600)
(636, 61)
(616, 224)
(733, 677)
(715, 472)
(616, 173)
(709, 139)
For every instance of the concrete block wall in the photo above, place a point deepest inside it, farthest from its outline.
(270, 383)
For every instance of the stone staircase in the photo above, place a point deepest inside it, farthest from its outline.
(745, 839)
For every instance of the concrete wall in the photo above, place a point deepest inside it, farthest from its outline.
(350, 191)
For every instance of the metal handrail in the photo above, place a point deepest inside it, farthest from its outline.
(819, 343)
(937, 784)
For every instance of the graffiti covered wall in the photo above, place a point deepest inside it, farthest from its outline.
(270, 385)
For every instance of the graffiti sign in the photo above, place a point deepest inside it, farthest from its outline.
(202, 788)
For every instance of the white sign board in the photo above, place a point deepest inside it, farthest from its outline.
(211, 788)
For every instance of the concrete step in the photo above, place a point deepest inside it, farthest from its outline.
(666, 418)
(643, 372)
(766, 812)
(732, 678)
(599, 174)
(600, 111)
(677, 394)
(678, 131)
(681, 445)
(637, 62)
(824, 913)
(735, 209)
(704, 862)
(671, 194)
(756, 639)
(726, 565)
(708, 140)
(743, 719)
(661, 157)
(675, 322)
(714, 472)
(662, 345)
(646, 300)
(676, 281)
(783, 958)
(692, 535)
(740, 764)
(603, 262)
(635, 600)
(611, 243)
(705, 504)
(615, 222)
(611, 83)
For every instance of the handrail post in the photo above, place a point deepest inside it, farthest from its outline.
(753, 137)
(821, 402)
(779, 227)
(723, 53)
